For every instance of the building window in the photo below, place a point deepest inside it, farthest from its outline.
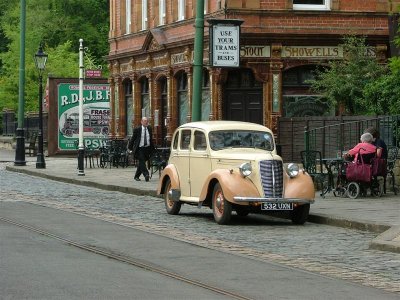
(312, 4)
(161, 13)
(145, 97)
(181, 10)
(183, 102)
(144, 14)
(128, 16)
(206, 98)
(128, 106)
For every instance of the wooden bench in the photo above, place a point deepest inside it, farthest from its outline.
(30, 147)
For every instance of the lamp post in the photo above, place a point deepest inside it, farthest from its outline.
(40, 62)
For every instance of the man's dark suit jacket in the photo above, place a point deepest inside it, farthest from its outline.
(136, 137)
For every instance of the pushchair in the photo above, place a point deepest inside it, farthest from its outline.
(353, 184)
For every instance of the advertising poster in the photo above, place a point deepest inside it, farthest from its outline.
(96, 113)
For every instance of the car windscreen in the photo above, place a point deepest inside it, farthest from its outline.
(223, 139)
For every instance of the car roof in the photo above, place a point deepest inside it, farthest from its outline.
(225, 125)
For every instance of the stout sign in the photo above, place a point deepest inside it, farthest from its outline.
(225, 42)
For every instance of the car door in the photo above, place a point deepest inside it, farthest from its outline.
(182, 159)
(200, 164)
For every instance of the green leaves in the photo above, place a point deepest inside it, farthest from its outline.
(343, 81)
(59, 24)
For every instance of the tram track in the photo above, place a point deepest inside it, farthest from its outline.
(124, 259)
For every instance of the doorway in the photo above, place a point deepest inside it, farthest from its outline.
(243, 97)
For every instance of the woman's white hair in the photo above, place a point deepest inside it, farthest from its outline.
(366, 138)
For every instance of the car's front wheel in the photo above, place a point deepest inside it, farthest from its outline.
(300, 214)
(222, 209)
(172, 207)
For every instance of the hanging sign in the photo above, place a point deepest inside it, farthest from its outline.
(225, 42)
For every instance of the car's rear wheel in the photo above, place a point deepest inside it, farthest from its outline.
(172, 207)
(300, 214)
(222, 209)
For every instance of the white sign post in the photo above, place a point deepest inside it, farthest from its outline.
(225, 39)
(81, 148)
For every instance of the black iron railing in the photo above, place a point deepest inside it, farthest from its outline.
(332, 140)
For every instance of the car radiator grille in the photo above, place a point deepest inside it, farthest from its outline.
(272, 178)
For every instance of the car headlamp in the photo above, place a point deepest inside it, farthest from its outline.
(245, 169)
(292, 170)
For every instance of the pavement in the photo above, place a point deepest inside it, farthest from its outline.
(380, 215)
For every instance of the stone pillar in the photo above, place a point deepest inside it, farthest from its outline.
(137, 105)
(275, 94)
(117, 105)
(111, 119)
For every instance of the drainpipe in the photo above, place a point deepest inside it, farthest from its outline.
(198, 61)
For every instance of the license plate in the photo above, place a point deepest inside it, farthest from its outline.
(276, 206)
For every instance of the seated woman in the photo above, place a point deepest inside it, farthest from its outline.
(365, 148)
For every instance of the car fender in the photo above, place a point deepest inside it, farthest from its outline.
(300, 186)
(232, 184)
(171, 173)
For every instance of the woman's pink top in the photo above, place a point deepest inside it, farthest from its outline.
(366, 148)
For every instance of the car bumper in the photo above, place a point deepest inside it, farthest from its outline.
(273, 200)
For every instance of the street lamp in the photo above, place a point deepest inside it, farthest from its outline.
(40, 62)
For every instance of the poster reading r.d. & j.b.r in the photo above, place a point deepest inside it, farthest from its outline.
(96, 113)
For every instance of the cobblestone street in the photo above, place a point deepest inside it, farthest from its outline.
(332, 251)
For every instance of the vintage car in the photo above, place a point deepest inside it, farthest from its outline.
(230, 165)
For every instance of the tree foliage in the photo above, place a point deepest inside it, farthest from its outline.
(59, 24)
(342, 82)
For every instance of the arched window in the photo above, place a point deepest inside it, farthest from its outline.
(297, 97)
(128, 106)
(163, 108)
(145, 97)
(206, 97)
(183, 102)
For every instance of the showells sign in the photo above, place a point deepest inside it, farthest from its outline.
(96, 113)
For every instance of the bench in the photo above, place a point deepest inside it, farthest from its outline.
(30, 147)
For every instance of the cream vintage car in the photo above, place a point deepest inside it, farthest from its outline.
(233, 166)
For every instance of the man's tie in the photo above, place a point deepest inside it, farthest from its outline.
(145, 137)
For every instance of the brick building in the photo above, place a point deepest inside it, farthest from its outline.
(151, 58)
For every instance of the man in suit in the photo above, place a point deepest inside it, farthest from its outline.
(141, 144)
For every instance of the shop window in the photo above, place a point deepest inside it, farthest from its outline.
(183, 102)
(163, 109)
(298, 76)
(145, 97)
(243, 79)
(206, 98)
(311, 4)
(128, 106)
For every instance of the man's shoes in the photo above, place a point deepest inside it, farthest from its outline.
(147, 178)
(138, 179)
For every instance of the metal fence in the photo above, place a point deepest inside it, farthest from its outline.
(331, 135)
(332, 140)
(31, 123)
